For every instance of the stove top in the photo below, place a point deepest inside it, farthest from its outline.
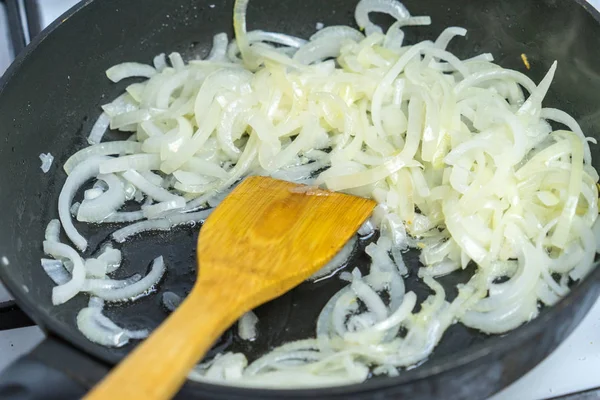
(5, 48)
(570, 372)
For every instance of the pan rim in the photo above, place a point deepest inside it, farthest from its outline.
(477, 353)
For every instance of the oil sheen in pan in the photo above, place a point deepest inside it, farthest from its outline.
(290, 317)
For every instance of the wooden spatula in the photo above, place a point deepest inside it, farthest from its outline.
(266, 237)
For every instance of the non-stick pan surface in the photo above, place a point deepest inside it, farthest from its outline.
(50, 98)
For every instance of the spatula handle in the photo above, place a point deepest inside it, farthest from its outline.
(158, 367)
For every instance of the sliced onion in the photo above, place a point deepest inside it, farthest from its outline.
(239, 26)
(65, 292)
(79, 175)
(495, 74)
(565, 119)
(176, 61)
(53, 231)
(47, 160)
(561, 233)
(159, 209)
(92, 285)
(99, 129)
(136, 289)
(92, 194)
(95, 268)
(533, 105)
(121, 105)
(122, 217)
(56, 271)
(364, 7)
(440, 269)
(326, 44)
(139, 162)
(502, 319)
(262, 36)
(228, 365)
(370, 298)
(143, 226)
(200, 166)
(112, 258)
(247, 326)
(589, 245)
(447, 35)
(102, 149)
(387, 81)
(188, 218)
(101, 330)
(98, 208)
(160, 62)
(218, 52)
(129, 70)
(152, 190)
(401, 314)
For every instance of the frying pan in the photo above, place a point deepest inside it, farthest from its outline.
(50, 97)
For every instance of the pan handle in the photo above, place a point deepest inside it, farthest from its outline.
(51, 371)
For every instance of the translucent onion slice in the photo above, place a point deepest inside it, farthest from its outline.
(239, 26)
(374, 333)
(98, 208)
(138, 162)
(159, 209)
(160, 62)
(364, 7)
(95, 268)
(156, 192)
(133, 290)
(56, 271)
(247, 326)
(128, 70)
(53, 231)
(101, 330)
(102, 149)
(99, 129)
(65, 292)
(122, 217)
(326, 44)
(79, 175)
(143, 226)
(262, 36)
(46, 160)
(92, 285)
(218, 52)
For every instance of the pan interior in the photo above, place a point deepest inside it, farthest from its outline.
(50, 101)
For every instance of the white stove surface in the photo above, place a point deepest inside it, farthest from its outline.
(52, 9)
(5, 53)
(573, 367)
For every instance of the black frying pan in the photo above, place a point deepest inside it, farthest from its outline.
(50, 97)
